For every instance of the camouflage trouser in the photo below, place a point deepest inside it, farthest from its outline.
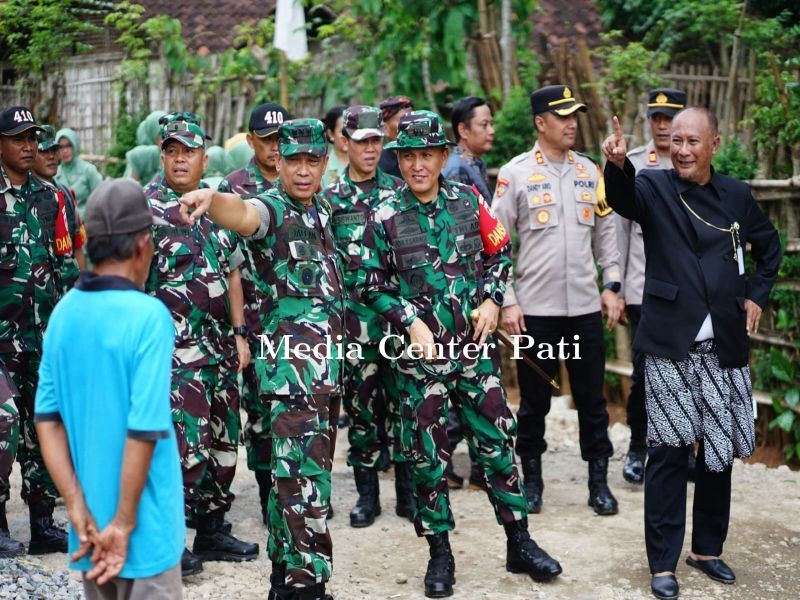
(478, 395)
(9, 430)
(257, 439)
(302, 451)
(37, 486)
(370, 400)
(205, 413)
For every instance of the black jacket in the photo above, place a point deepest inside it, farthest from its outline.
(691, 270)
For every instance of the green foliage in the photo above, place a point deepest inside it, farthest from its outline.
(686, 29)
(513, 128)
(625, 67)
(40, 34)
(124, 138)
(732, 160)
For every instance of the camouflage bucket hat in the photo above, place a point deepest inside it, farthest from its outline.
(420, 129)
(363, 122)
(184, 127)
(302, 136)
(47, 138)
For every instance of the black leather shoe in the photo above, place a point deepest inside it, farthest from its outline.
(633, 469)
(715, 568)
(404, 490)
(190, 564)
(441, 574)
(600, 497)
(477, 480)
(523, 555)
(664, 587)
(212, 542)
(533, 483)
(368, 505)
(264, 481)
(454, 480)
(46, 537)
(226, 525)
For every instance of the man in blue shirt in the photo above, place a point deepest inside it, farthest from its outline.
(104, 420)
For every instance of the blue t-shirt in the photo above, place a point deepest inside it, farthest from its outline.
(105, 373)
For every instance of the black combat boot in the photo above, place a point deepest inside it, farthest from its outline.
(600, 497)
(441, 574)
(190, 564)
(368, 505)
(313, 592)
(45, 536)
(524, 556)
(533, 483)
(278, 590)
(8, 546)
(264, 481)
(212, 542)
(404, 489)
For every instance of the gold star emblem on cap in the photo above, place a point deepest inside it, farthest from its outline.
(661, 98)
(567, 93)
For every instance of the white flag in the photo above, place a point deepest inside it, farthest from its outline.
(290, 29)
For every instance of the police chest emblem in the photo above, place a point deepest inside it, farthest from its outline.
(586, 197)
(652, 157)
(586, 213)
(548, 198)
(502, 186)
(537, 178)
(543, 216)
(535, 200)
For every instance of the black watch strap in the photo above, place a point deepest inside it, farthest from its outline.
(614, 286)
(240, 330)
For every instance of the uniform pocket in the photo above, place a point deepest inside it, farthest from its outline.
(176, 259)
(660, 289)
(408, 429)
(584, 206)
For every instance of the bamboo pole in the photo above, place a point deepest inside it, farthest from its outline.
(734, 71)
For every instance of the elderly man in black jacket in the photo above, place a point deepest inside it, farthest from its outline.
(699, 309)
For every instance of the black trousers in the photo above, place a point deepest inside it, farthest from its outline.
(585, 379)
(665, 482)
(637, 416)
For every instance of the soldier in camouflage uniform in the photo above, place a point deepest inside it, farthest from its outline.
(425, 269)
(302, 306)
(30, 286)
(195, 272)
(45, 168)
(369, 396)
(254, 179)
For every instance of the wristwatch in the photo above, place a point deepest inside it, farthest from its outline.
(614, 286)
(240, 330)
(496, 297)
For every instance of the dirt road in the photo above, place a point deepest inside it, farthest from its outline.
(603, 557)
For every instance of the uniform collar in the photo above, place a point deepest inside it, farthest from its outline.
(294, 204)
(167, 194)
(254, 173)
(89, 281)
(6, 185)
(540, 158)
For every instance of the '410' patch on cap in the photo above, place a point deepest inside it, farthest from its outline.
(16, 119)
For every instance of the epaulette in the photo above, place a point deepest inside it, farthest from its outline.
(586, 156)
(637, 150)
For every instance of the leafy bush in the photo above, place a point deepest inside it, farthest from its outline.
(513, 129)
(732, 160)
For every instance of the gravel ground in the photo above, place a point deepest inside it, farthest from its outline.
(603, 557)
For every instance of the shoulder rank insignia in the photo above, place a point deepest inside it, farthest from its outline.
(539, 157)
(570, 156)
(602, 208)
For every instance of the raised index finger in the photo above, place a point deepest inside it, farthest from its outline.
(617, 128)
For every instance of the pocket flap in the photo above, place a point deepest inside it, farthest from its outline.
(660, 289)
(304, 251)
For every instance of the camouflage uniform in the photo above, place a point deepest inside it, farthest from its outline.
(189, 274)
(301, 286)
(366, 401)
(30, 286)
(9, 430)
(249, 182)
(426, 260)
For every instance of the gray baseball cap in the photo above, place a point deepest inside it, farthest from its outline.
(117, 207)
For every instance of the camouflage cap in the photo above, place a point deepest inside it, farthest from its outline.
(47, 138)
(183, 127)
(420, 129)
(362, 122)
(302, 136)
